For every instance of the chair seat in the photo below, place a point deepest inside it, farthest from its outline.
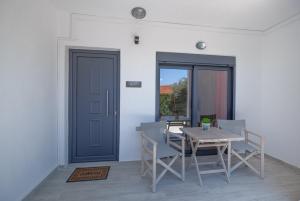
(164, 150)
(242, 147)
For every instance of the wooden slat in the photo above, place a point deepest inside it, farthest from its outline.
(145, 137)
(148, 151)
(212, 171)
(212, 145)
(148, 165)
(250, 142)
(175, 145)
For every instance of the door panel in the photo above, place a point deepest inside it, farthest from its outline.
(175, 93)
(94, 90)
(212, 93)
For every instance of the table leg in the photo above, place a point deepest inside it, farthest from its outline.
(190, 140)
(194, 156)
(221, 159)
(229, 159)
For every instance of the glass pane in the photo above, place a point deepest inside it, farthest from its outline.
(175, 95)
(211, 95)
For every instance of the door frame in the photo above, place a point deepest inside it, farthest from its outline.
(71, 100)
(194, 60)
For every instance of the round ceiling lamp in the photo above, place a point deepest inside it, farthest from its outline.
(138, 12)
(201, 45)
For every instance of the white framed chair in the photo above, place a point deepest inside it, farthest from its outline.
(244, 150)
(156, 145)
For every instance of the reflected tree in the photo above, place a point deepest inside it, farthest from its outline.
(175, 104)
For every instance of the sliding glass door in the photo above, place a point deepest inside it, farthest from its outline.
(212, 93)
(189, 93)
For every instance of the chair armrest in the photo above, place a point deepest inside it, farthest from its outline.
(260, 139)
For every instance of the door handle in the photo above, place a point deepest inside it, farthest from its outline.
(107, 104)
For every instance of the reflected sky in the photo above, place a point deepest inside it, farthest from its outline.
(170, 76)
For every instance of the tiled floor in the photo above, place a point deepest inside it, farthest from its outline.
(124, 183)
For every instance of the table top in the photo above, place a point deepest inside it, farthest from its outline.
(211, 135)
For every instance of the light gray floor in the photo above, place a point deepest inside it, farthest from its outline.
(124, 183)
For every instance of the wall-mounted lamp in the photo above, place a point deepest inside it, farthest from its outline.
(201, 45)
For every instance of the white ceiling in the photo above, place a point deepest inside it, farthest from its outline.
(235, 14)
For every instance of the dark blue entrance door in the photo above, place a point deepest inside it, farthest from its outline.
(93, 101)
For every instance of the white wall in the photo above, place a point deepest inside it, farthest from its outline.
(281, 92)
(28, 109)
(138, 63)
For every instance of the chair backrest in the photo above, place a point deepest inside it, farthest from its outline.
(154, 130)
(234, 126)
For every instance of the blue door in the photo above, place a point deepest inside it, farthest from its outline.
(93, 115)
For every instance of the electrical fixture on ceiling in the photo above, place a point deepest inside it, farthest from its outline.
(201, 45)
(136, 40)
(138, 12)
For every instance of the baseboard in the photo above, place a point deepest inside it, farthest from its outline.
(282, 162)
(35, 188)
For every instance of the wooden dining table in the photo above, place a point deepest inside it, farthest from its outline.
(212, 137)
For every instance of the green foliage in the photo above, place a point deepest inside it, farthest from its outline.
(175, 104)
(180, 97)
(206, 120)
(165, 102)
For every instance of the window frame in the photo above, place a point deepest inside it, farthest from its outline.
(191, 62)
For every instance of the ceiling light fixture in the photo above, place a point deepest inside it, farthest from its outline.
(138, 12)
(201, 45)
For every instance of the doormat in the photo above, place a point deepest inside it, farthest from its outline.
(89, 174)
